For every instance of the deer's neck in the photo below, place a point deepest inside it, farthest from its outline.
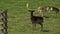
(31, 14)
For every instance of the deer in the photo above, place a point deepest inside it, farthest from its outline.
(36, 20)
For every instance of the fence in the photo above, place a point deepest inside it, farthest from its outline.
(3, 22)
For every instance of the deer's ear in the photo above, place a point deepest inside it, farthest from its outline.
(31, 10)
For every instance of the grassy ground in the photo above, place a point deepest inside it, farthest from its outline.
(19, 17)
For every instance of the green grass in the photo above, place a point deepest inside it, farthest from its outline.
(19, 17)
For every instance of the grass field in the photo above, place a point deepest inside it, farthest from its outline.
(19, 17)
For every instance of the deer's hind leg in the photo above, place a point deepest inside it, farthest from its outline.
(41, 26)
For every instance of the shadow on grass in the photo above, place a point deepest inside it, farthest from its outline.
(46, 31)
